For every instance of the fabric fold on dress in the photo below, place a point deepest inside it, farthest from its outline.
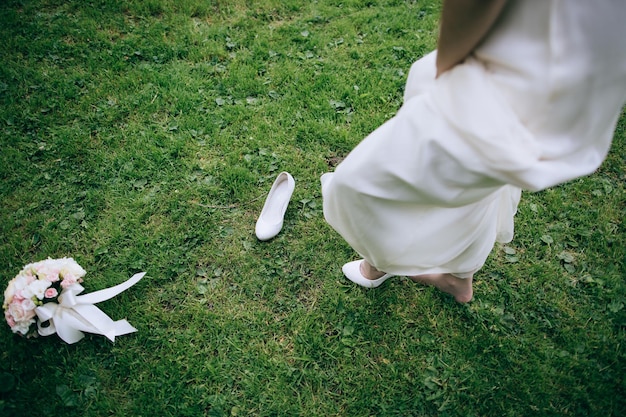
(433, 188)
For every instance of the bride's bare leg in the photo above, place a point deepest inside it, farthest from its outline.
(369, 272)
(460, 288)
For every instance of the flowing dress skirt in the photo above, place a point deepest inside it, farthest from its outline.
(410, 198)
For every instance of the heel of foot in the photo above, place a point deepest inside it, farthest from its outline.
(460, 288)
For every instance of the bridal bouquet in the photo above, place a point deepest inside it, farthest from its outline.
(38, 283)
(43, 299)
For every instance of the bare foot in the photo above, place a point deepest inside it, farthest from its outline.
(369, 272)
(460, 288)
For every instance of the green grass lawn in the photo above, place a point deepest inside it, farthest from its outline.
(144, 135)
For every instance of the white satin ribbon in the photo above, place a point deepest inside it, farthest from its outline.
(77, 314)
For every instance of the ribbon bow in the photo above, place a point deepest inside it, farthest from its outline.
(77, 314)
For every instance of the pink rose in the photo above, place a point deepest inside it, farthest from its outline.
(21, 311)
(9, 318)
(51, 293)
(67, 282)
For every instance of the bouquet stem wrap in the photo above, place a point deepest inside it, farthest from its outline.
(76, 314)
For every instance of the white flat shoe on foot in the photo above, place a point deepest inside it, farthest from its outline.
(270, 221)
(352, 271)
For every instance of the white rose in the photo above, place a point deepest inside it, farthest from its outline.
(9, 293)
(71, 270)
(22, 326)
(30, 270)
(37, 288)
(21, 283)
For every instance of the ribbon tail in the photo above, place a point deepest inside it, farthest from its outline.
(107, 293)
(123, 327)
(69, 325)
(100, 323)
(97, 320)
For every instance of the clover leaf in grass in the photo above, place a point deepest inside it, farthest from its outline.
(566, 257)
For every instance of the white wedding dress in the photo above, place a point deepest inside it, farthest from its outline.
(432, 189)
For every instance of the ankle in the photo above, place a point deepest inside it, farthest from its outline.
(370, 272)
